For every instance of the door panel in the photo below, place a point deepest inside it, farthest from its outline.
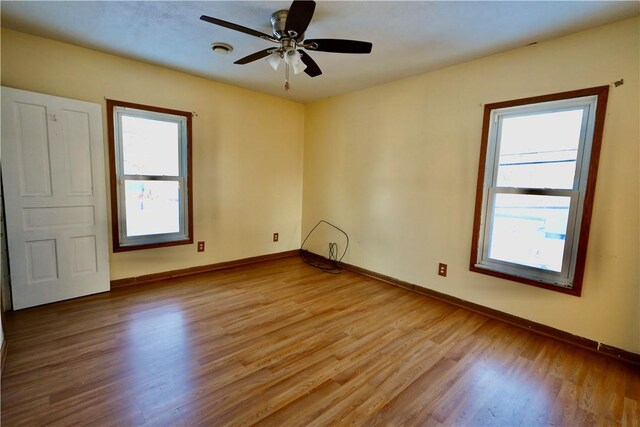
(78, 153)
(83, 255)
(42, 261)
(54, 187)
(69, 216)
(33, 149)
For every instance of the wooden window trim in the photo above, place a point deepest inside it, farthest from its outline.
(602, 92)
(115, 226)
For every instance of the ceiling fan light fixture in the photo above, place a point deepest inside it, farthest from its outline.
(274, 60)
(293, 58)
(299, 67)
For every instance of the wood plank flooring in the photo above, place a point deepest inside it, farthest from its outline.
(282, 344)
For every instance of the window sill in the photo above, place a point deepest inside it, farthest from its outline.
(152, 245)
(569, 291)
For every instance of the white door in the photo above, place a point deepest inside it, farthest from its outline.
(54, 189)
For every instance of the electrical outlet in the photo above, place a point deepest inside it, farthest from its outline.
(442, 270)
(200, 246)
(275, 237)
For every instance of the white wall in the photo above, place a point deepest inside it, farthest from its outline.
(396, 166)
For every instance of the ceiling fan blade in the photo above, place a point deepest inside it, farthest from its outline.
(339, 45)
(236, 27)
(255, 56)
(312, 69)
(299, 16)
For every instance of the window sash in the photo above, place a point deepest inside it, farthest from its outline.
(587, 104)
(561, 278)
(576, 194)
(124, 239)
(499, 115)
(152, 115)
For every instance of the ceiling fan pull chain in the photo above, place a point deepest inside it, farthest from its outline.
(287, 86)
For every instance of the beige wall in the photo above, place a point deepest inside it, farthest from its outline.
(396, 167)
(247, 172)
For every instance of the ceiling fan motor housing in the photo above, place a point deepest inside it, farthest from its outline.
(278, 23)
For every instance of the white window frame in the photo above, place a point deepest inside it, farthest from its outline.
(565, 280)
(184, 235)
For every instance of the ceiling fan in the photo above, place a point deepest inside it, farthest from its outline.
(289, 27)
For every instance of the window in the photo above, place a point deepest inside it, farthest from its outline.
(150, 157)
(536, 183)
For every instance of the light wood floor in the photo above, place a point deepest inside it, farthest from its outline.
(282, 344)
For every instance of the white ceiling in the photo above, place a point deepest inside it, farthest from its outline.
(409, 37)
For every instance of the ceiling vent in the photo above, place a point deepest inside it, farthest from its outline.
(221, 48)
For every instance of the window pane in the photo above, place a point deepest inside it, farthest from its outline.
(150, 147)
(539, 150)
(529, 230)
(152, 207)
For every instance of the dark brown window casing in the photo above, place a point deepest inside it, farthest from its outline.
(115, 223)
(583, 235)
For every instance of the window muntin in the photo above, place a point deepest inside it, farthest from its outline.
(535, 180)
(150, 176)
